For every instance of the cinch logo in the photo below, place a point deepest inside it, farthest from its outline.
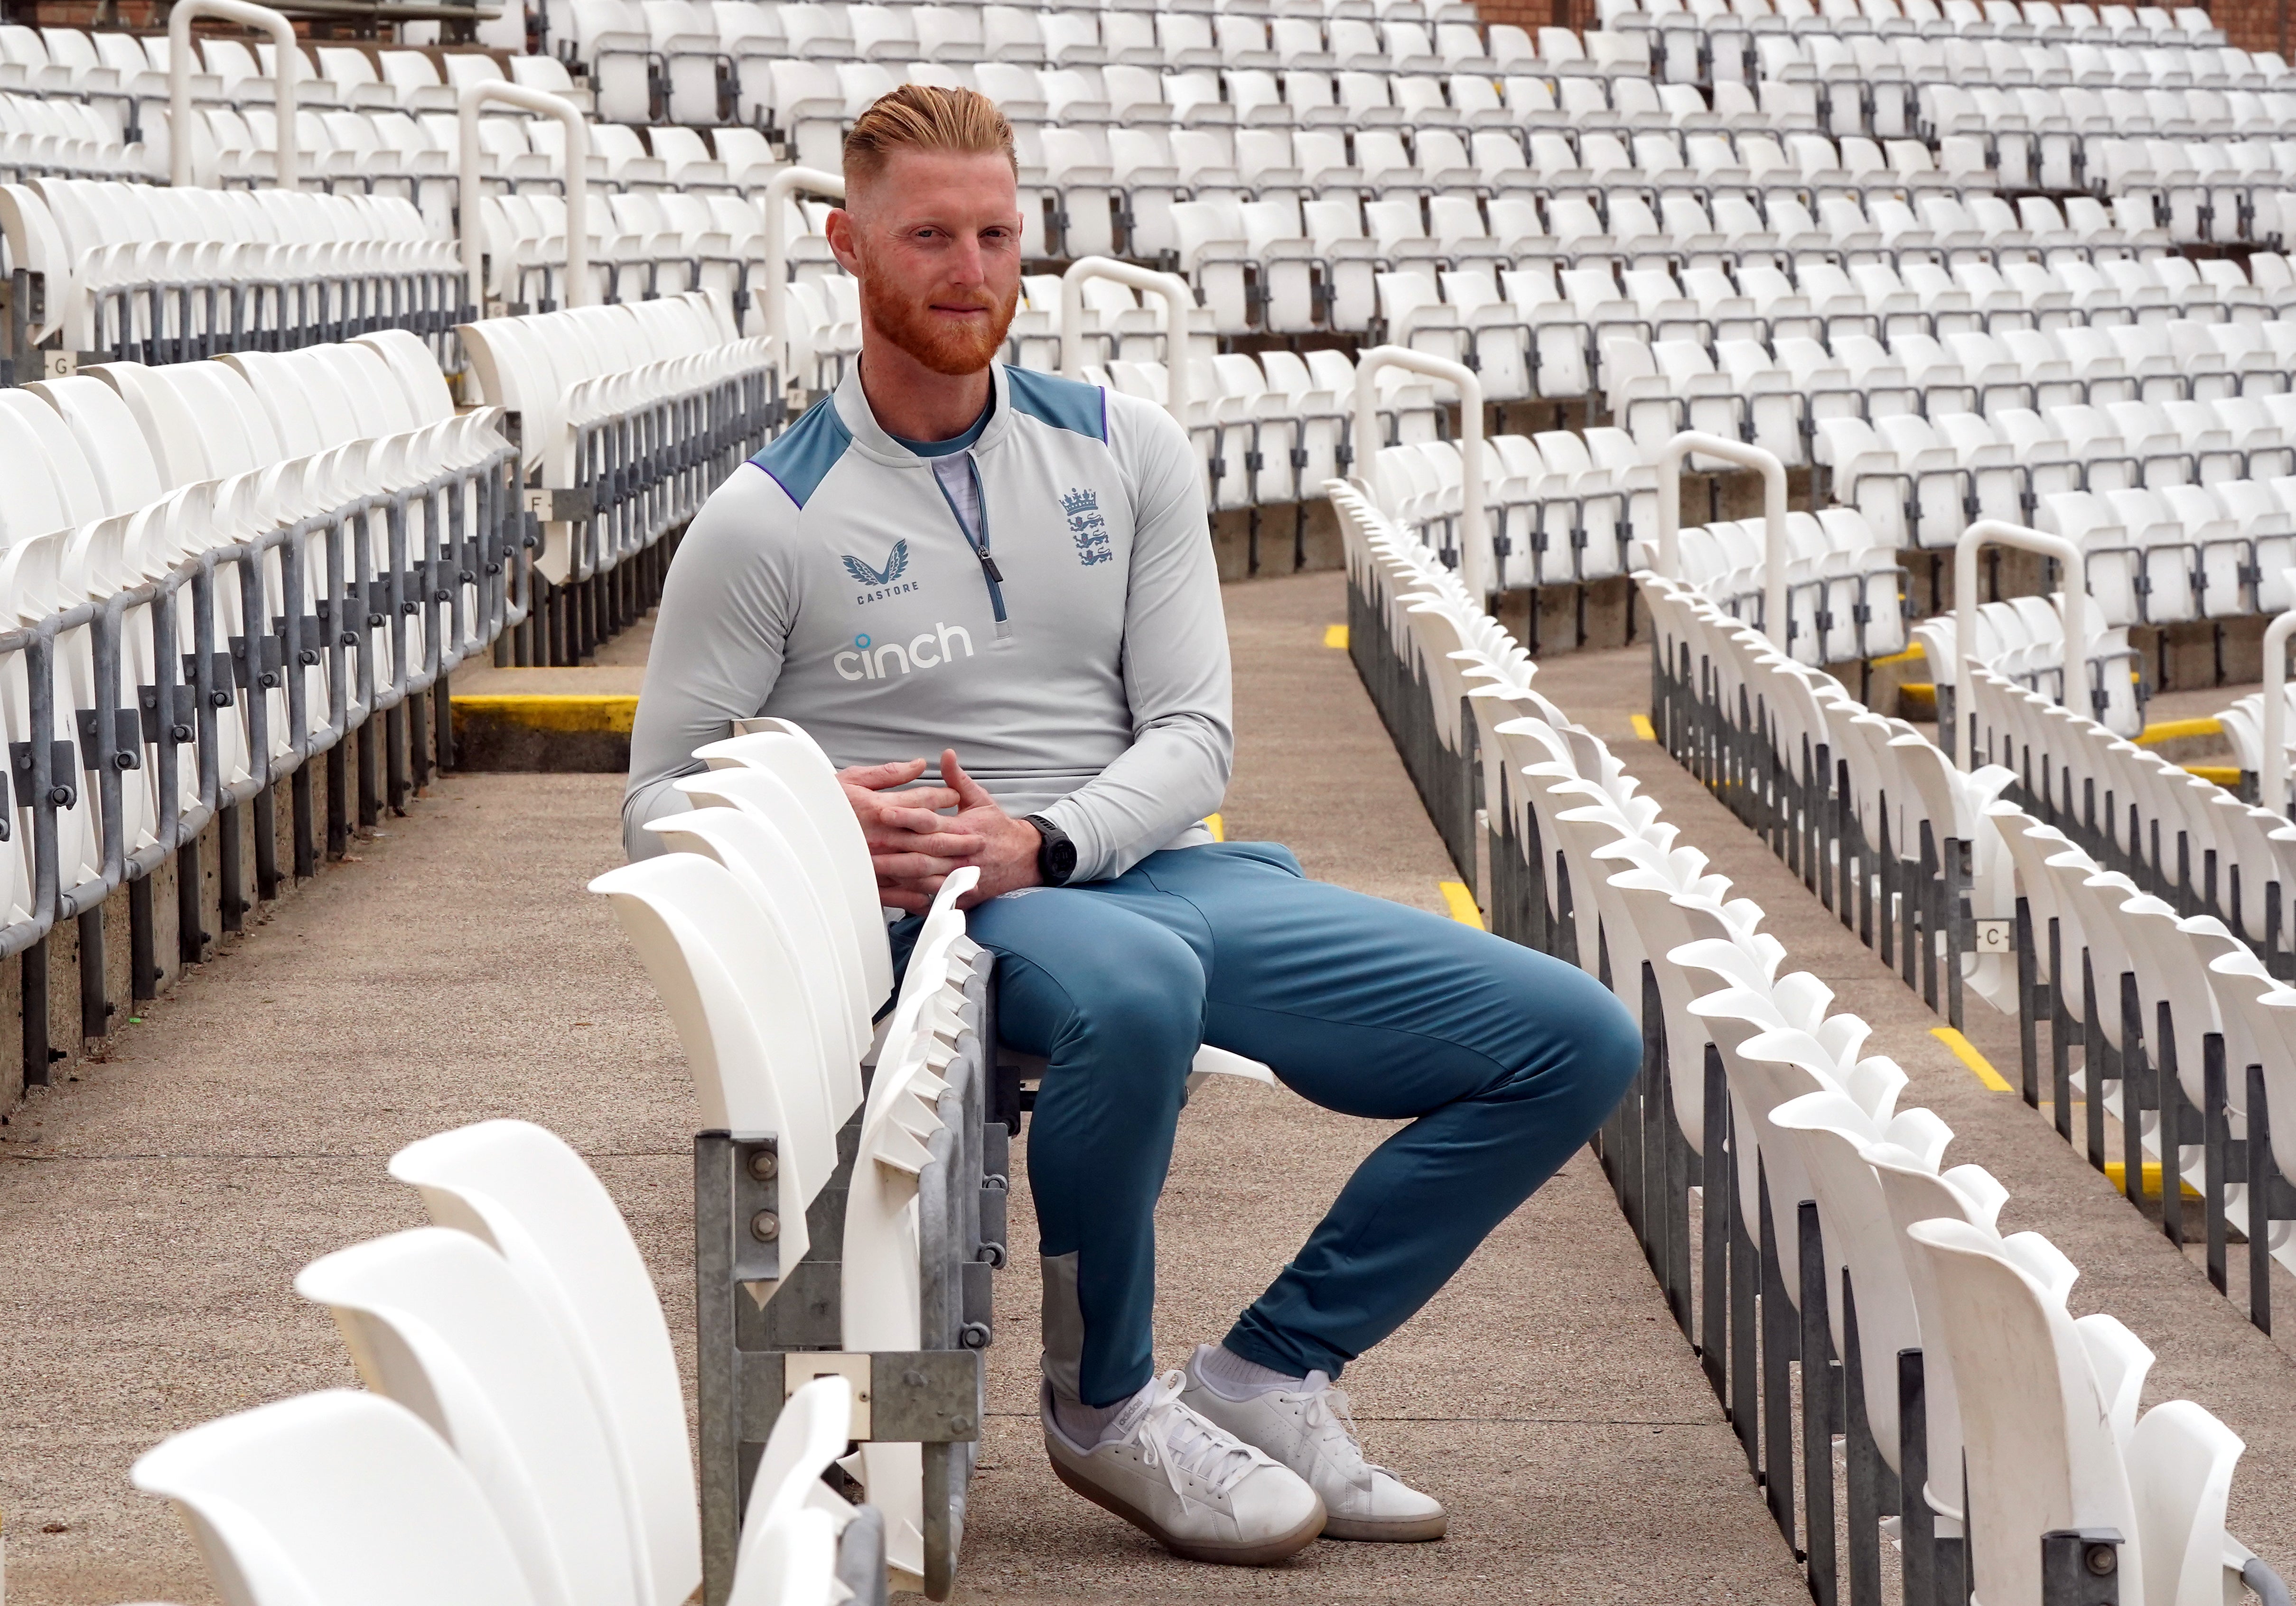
(881, 581)
(867, 660)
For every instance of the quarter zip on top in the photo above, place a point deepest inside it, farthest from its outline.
(978, 542)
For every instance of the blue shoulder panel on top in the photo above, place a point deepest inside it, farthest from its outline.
(1065, 403)
(800, 457)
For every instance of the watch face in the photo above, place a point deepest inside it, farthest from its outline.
(1063, 858)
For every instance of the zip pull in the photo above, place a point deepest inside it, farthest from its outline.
(988, 568)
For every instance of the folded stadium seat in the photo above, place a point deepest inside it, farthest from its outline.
(1335, 231)
(1398, 232)
(1152, 184)
(330, 1487)
(441, 1322)
(1079, 169)
(816, 32)
(1495, 331)
(1009, 33)
(1242, 41)
(1298, 41)
(885, 33)
(809, 110)
(1320, 414)
(1255, 436)
(2037, 1464)
(683, 37)
(881, 1302)
(948, 33)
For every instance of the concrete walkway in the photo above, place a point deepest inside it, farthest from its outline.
(153, 1212)
(2207, 1349)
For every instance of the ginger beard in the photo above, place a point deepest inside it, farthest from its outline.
(948, 348)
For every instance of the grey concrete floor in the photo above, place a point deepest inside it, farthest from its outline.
(2207, 1349)
(154, 1211)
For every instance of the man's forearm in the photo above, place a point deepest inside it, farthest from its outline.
(1174, 774)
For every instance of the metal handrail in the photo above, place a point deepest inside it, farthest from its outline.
(1177, 299)
(581, 290)
(773, 294)
(1994, 532)
(1775, 622)
(1475, 555)
(286, 66)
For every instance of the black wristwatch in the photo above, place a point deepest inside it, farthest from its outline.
(1056, 854)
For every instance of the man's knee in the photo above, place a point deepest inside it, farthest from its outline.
(1580, 1047)
(1143, 1000)
(1610, 1056)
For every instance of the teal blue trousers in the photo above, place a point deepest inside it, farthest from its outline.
(1504, 1061)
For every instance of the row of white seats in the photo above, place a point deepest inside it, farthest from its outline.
(2232, 853)
(2184, 552)
(1565, 505)
(2201, 841)
(806, 104)
(590, 384)
(2242, 725)
(2022, 639)
(106, 64)
(2178, 937)
(2157, 298)
(1922, 481)
(1320, 262)
(1968, 19)
(1916, 1244)
(808, 30)
(1902, 58)
(1265, 163)
(75, 138)
(120, 475)
(2090, 110)
(645, 244)
(93, 243)
(1845, 591)
(760, 930)
(1447, 310)
(1779, 396)
(522, 1440)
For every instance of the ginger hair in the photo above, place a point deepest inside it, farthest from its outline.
(920, 117)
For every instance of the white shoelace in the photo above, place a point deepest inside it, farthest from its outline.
(1329, 1407)
(1175, 1439)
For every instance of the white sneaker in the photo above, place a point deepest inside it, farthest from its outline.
(1311, 1431)
(1185, 1483)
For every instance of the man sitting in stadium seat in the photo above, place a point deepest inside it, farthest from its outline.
(949, 555)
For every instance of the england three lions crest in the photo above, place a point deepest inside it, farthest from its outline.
(1086, 528)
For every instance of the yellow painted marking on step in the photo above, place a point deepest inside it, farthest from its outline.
(1906, 657)
(1336, 636)
(1642, 725)
(1966, 1052)
(555, 710)
(2222, 774)
(2115, 1172)
(1463, 904)
(1218, 827)
(2169, 730)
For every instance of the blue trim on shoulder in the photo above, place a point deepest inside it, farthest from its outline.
(800, 457)
(1065, 403)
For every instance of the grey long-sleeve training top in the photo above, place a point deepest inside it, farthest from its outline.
(1072, 651)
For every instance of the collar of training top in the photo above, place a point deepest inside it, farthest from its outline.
(872, 440)
(1064, 404)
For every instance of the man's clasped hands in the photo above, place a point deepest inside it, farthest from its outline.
(914, 846)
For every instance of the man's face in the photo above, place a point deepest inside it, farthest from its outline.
(935, 239)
